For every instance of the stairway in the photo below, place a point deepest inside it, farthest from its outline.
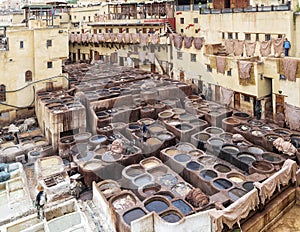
(170, 28)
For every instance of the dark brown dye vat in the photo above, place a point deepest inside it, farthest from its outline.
(241, 115)
(184, 127)
(222, 168)
(194, 166)
(182, 157)
(281, 132)
(208, 174)
(133, 215)
(150, 190)
(236, 193)
(222, 184)
(171, 217)
(262, 166)
(182, 206)
(248, 186)
(156, 206)
(168, 180)
(271, 157)
(214, 130)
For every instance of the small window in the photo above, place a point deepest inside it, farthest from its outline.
(83, 18)
(2, 93)
(237, 35)
(74, 16)
(195, 20)
(229, 72)
(89, 18)
(279, 36)
(70, 17)
(193, 57)
(28, 76)
(120, 30)
(230, 35)
(49, 43)
(223, 35)
(208, 68)
(247, 36)
(127, 30)
(196, 31)
(21, 44)
(181, 30)
(267, 37)
(282, 77)
(49, 64)
(181, 20)
(100, 31)
(179, 55)
(247, 98)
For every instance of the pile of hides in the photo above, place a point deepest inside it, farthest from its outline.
(238, 46)
(265, 48)
(198, 42)
(289, 67)
(187, 41)
(284, 146)
(197, 198)
(250, 48)
(229, 44)
(221, 64)
(292, 116)
(177, 41)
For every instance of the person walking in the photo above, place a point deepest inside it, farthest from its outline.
(286, 46)
(40, 201)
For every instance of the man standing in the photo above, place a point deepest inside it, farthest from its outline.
(286, 46)
(40, 202)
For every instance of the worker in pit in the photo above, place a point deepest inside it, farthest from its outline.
(40, 201)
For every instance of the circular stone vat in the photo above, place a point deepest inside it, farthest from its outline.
(246, 157)
(236, 177)
(241, 115)
(214, 130)
(183, 207)
(196, 153)
(255, 150)
(150, 163)
(182, 158)
(263, 166)
(207, 160)
(82, 137)
(97, 139)
(133, 215)
(92, 165)
(133, 171)
(236, 193)
(134, 126)
(158, 171)
(222, 168)
(166, 194)
(184, 127)
(272, 157)
(226, 136)
(157, 205)
(181, 189)
(166, 114)
(172, 151)
(186, 117)
(248, 186)
(185, 147)
(171, 216)
(254, 122)
(208, 174)
(272, 137)
(257, 133)
(168, 180)
(202, 136)
(222, 183)
(244, 127)
(111, 157)
(151, 189)
(178, 111)
(142, 180)
(165, 136)
(230, 149)
(123, 202)
(282, 132)
(156, 129)
(216, 142)
(194, 166)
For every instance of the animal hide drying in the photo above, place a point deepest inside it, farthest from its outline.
(238, 47)
(292, 116)
(250, 48)
(143, 39)
(226, 96)
(106, 37)
(289, 67)
(78, 38)
(154, 38)
(135, 37)
(221, 64)
(198, 42)
(265, 48)
(113, 37)
(72, 38)
(151, 57)
(187, 41)
(120, 37)
(278, 46)
(142, 56)
(177, 41)
(229, 44)
(244, 69)
(127, 38)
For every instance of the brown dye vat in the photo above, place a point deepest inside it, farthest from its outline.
(241, 116)
(82, 137)
(202, 136)
(153, 142)
(236, 193)
(156, 204)
(273, 158)
(146, 121)
(181, 189)
(123, 202)
(171, 216)
(109, 188)
(132, 215)
(156, 129)
(150, 190)
(282, 132)
(262, 167)
(159, 107)
(194, 98)
(208, 174)
(236, 177)
(207, 160)
(196, 153)
(214, 130)
(150, 162)
(268, 140)
(165, 115)
(172, 151)
(178, 111)
(222, 168)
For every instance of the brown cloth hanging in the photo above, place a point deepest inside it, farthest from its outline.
(144, 39)
(188, 41)
(221, 64)
(120, 37)
(127, 38)
(278, 46)
(226, 96)
(95, 38)
(83, 38)
(72, 38)
(154, 38)
(238, 46)
(292, 116)
(177, 41)
(113, 37)
(78, 38)
(250, 48)
(198, 42)
(289, 67)
(106, 37)
(229, 44)
(244, 69)
(135, 37)
(100, 37)
(265, 48)
(89, 37)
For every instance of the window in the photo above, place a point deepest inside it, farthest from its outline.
(179, 55)
(49, 64)
(229, 72)
(181, 20)
(21, 44)
(257, 37)
(208, 68)
(230, 35)
(181, 30)
(193, 57)
(267, 37)
(127, 30)
(28, 76)
(247, 98)
(236, 35)
(223, 35)
(120, 30)
(100, 30)
(83, 18)
(196, 31)
(195, 20)
(2, 93)
(89, 18)
(49, 43)
(279, 36)
(247, 36)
